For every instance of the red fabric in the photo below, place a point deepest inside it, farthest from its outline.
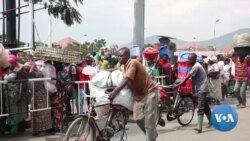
(163, 94)
(163, 64)
(167, 66)
(83, 77)
(187, 87)
(58, 102)
(1, 74)
(151, 53)
(240, 71)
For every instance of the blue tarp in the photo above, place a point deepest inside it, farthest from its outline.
(184, 57)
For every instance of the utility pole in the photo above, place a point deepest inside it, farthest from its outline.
(215, 36)
(139, 14)
(31, 36)
(50, 32)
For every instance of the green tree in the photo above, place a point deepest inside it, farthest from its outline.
(148, 45)
(113, 48)
(88, 47)
(22, 44)
(63, 9)
(73, 47)
(211, 48)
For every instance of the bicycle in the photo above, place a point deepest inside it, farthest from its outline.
(85, 128)
(177, 106)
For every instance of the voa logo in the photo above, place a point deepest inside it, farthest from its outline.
(224, 117)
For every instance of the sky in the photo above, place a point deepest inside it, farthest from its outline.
(112, 20)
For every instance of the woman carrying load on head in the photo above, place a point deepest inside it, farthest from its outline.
(214, 79)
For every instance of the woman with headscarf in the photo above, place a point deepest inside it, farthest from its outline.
(15, 100)
(40, 120)
(213, 79)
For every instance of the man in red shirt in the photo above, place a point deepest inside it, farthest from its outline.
(83, 86)
(241, 80)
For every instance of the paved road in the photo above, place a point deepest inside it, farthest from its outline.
(173, 131)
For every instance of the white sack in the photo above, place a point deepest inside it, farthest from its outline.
(124, 98)
(116, 77)
(102, 79)
(89, 70)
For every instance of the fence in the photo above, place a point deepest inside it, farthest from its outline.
(32, 84)
(79, 97)
(161, 80)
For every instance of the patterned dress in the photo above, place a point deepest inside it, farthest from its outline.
(58, 104)
(12, 105)
(40, 120)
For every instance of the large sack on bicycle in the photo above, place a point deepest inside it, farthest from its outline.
(116, 77)
(105, 79)
(124, 98)
(101, 79)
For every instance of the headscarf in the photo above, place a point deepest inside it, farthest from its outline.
(213, 59)
(12, 58)
(29, 65)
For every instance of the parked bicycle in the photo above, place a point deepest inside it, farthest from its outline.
(85, 128)
(177, 106)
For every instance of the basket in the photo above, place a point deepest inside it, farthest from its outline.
(242, 51)
(59, 55)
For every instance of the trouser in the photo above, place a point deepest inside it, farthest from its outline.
(145, 115)
(223, 90)
(240, 90)
(68, 104)
(203, 106)
(80, 102)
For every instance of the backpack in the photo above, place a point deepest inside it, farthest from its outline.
(163, 51)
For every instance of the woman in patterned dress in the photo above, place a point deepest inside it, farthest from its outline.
(15, 100)
(40, 120)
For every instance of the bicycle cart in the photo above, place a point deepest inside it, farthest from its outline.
(178, 106)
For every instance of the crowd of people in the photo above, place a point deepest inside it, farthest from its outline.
(23, 96)
(225, 76)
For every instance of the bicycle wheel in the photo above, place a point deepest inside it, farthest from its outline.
(81, 129)
(117, 122)
(185, 111)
